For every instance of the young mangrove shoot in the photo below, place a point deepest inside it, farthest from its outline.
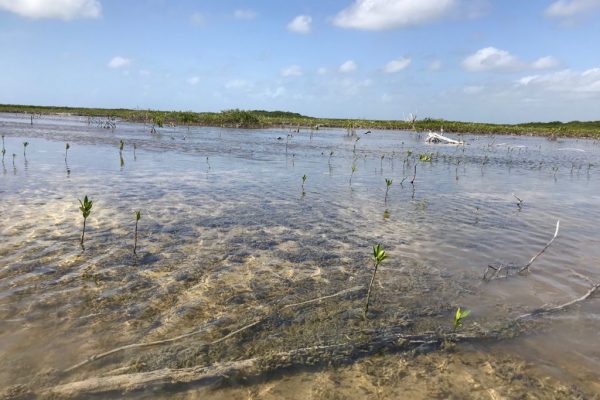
(378, 257)
(121, 145)
(67, 147)
(352, 173)
(25, 144)
(138, 216)
(388, 183)
(86, 209)
(459, 316)
(304, 177)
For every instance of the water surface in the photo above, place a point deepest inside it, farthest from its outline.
(228, 235)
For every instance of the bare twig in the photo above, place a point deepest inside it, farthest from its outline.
(548, 310)
(203, 329)
(526, 267)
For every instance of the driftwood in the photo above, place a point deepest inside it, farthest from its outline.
(496, 271)
(337, 353)
(203, 329)
(433, 137)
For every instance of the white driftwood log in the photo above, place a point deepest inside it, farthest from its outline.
(433, 137)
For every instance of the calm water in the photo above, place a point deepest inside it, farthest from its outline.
(228, 235)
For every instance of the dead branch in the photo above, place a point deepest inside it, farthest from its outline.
(548, 310)
(526, 267)
(203, 329)
(509, 269)
(392, 340)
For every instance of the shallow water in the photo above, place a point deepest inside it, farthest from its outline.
(228, 235)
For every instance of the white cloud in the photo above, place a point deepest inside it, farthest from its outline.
(292, 70)
(435, 65)
(493, 59)
(197, 19)
(300, 24)
(58, 9)
(145, 72)
(194, 80)
(397, 65)
(244, 14)
(566, 81)
(389, 14)
(119, 62)
(322, 71)
(348, 66)
(570, 8)
(545, 63)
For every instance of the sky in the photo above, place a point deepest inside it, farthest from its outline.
(472, 60)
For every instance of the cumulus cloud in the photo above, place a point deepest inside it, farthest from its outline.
(570, 8)
(493, 59)
(545, 63)
(397, 65)
(490, 58)
(244, 14)
(119, 62)
(57, 9)
(389, 14)
(566, 81)
(348, 66)
(322, 71)
(292, 70)
(300, 24)
(193, 81)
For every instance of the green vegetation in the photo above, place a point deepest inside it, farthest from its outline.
(388, 183)
(25, 144)
(138, 216)
(378, 257)
(459, 316)
(86, 209)
(67, 147)
(425, 157)
(352, 173)
(304, 177)
(262, 119)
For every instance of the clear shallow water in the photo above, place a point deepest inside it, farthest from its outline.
(228, 239)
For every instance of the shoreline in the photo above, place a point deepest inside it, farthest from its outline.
(258, 119)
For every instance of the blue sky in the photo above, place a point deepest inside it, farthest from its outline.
(477, 60)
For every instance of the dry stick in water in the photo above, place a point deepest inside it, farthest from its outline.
(138, 216)
(496, 271)
(203, 329)
(526, 267)
(390, 339)
(414, 175)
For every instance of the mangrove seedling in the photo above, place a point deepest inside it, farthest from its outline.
(14, 156)
(3, 153)
(382, 157)
(138, 216)
(459, 316)
(352, 173)
(388, 183)
(304, 177)
(121, 145)
(330, 155)
(425, 157)
(86, 209)
(67, 147)
(25, 144)
(355, 142)
(378, 257)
